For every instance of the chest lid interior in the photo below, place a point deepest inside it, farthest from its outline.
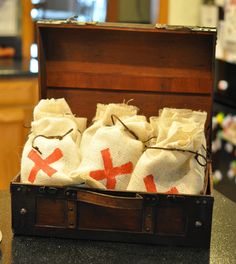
(156, 66)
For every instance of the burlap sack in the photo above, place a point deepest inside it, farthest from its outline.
(110, 152)
(173, 171)
(51, 154)
(154, 123)
(103, 118)
(50, 108)
(57, 108)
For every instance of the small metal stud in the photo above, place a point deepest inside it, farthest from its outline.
(42, 189)
(147, 229)
(198, 223)
(23, 211)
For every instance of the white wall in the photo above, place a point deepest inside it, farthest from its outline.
(184, 12)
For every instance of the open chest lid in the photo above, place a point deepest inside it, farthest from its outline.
(157, 66)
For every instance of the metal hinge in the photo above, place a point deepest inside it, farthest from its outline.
(185, 28)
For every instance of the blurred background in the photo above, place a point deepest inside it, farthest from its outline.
(19, 67)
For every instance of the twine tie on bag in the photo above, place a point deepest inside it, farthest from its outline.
(129, 130)
(197, 154)
(49, 137)
(124, 125)
(148, 140)
(208, 154)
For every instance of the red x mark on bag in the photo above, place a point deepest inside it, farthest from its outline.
(151, 187)
(109, 171)
(43, 164)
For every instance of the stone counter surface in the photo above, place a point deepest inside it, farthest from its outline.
(35, 250)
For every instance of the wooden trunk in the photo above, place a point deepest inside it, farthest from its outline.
(157, 67)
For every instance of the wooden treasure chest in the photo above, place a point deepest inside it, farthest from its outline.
(156, 66)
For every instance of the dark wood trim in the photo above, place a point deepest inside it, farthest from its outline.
(112, 11)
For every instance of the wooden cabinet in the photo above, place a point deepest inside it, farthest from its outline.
(18, 96)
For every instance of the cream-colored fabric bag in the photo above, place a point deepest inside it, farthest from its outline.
(172, 171)
(110, 152)
(103, 118)
(51, 107)
(51, 154)
(57, 108)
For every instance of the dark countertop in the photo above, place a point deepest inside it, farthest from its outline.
(49, 250)
(10, 68)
